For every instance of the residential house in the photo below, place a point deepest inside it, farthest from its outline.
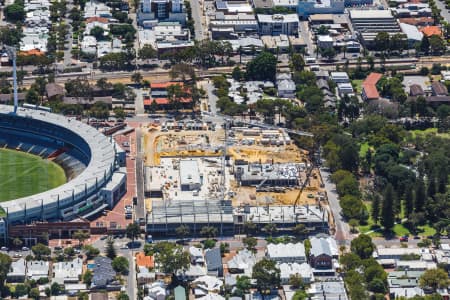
(286, 253)
(416, 90)
(242, 262)
(206, 285)
(324, 290)
(144, 275)
(196, 255)
(143, 260)
(339, 77)
(404, 283)
(157, 290)
(104, 273)
(438, 89)
(286, 86)
(397, 252)
(37, 269)
(17, 271)
(304, 270)
(68, 271)
(323, 251)
(345, 88)
(213, 260)
(96, 9)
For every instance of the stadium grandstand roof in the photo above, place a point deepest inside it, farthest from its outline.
(99, 168)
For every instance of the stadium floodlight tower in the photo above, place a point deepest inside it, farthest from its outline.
(13, 55)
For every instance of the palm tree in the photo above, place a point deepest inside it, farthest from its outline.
(271, 228)
(209, 231)
(182, 231)
(17, 242)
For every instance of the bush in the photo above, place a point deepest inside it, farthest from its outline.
(209, 244)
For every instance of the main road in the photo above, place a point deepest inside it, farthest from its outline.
(197, 16)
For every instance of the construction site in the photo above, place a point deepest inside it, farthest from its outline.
(198, 174)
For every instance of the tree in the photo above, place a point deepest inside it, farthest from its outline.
(98, 32)
(381, 41)
(182, 231)
(409, 200)
(209, 231)
(34, 293)
(329, 53)
(120, 265)
(353, 224)
(362, 246)
(425, 44)
(250, 243)
(32, 96)
(133, 231)
(87, 277)
(119, 113)
(91, 251)
(122, 296)
(169, 256)
(237, 73)
(55, 289)
(136, 77)
(376, 208)
(350, 261)
(40, 250)
(81, 236)
(420, 195)
(262, 67)
(437, 44)
(387, 212)
(267, 275)
(296, 281)
(300, 295)
(20, 290)
(17, 242)
(5, 264)
(300, 230)
(147, 52)
(243, 284)
(270, 228)
(15, 13)
(110, 249)
(297, 61)
(434, 279)
(249, 227)
(69, 251)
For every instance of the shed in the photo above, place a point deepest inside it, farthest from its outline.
(180, 293)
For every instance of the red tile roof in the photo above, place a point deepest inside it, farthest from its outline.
(97, 19)
(417, 21)
(164, 101)
(369, 86)
(143, 260)
(36, 52)
(431, 30)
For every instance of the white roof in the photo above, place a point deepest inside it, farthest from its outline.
(211, 297)
(189, 172)
(289, 18)
(370, 14)
(37, 269)
(194, 251)
(289, 250)
(68, 270)
(323, 245)
(208, 283)
(325, 38)
(411, 31)
(243, 260)
(288, 269)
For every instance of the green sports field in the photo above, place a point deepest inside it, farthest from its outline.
(23, 174)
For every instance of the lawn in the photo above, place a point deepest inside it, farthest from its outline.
(429, 131)
(398, 229)
(363, 149)
(357, 83)
(23, 174)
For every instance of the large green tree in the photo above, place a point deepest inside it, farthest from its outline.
(169, 257)
(267, 275)
(262, 67)
(434, 279)
(362, 246)
(388, 212)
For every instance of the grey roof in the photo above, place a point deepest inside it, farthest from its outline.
(213, 259)
(322, 245)
(103, 272)
(17, 268)
(322, 83)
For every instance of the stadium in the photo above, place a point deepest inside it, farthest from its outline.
(76, 170)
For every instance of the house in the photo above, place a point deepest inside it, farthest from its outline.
(304, 270)
(206, 285)
(438, 89)
(144, 275)
(324, 41)
(160, 96)
(324, 290)
(214, 264)
(242, 262)
(157, 291)
(323, 84)
(37, 269)
(286, 253)
(404, 283)
(196, 255)
(54, 91)
(369, 87)
(104, 273)
(180, 293)
(286, 86)
(323, 251)
(339, 77)
(68, 271)
(397, 253)
(143, 260)
(17, 271)
(345, 88)
(416, 90)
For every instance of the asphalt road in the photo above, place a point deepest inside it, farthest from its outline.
(342, 233)
(139, 208)
(197, 17)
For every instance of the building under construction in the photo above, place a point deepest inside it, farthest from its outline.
(275, 175)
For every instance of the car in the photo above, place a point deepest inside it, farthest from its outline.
(25, 249)
(149, 239)
(104, 237)
(17, 255)
(417, 237)
(4, 248)
(404, 238)
(58, 248)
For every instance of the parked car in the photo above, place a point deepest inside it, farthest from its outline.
(4, 248)
(25, 249)
(404, 238)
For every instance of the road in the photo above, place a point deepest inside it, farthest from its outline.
(212, 98)
(445, 13)
(342, 233)
(197, 16)
(306, 35)
(139, 208)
